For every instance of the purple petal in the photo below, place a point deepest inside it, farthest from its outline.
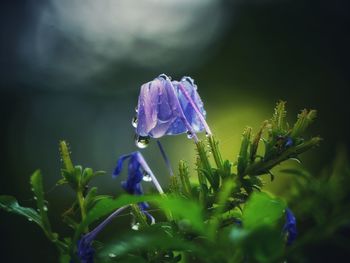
(189, 111)
(158, 109)
(119, 166)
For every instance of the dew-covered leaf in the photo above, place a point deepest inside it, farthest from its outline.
(10, 204)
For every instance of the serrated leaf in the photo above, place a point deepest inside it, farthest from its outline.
(10, 204)
(262, 209)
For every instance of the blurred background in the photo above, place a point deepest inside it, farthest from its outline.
(72, 70)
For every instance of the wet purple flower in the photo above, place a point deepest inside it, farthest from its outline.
(192, 111)
(169, 108)
(138, 171)
(85, 251)
(290, 227)
(289, 142)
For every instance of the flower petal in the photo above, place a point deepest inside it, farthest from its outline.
(119, 166)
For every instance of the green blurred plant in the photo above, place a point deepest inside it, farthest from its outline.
(224, 218)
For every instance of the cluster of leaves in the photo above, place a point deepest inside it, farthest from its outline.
(223, 218)
(322, 204)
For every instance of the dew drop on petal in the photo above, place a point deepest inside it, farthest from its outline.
(142, 141)
(135, 226)
(146, 177)
(189, 135)
(112, 255)
(137, 109)
(134, 122)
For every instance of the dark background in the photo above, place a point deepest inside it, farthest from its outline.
(261, 52)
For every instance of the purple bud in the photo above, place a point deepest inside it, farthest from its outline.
(290, 227)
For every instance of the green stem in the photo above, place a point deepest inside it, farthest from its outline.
(262, 167)
(81, 201)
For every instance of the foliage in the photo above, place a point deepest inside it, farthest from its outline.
(226, 217)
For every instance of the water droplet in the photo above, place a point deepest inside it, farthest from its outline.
(137, 109)
(35, 198)
(134, 122)
(189, 135)
(30, 220)
(112, 255)
(206, 134)
(32, 189)
(135, 226)
(45, 208)
(142, 141)
(146, 177)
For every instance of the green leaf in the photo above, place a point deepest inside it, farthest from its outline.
(88, 174)
(37, 187)
(183, 209)
(92, 197)
(255, 143)
(214, 146)
(184, 178)
(305, 118)
(105, 207)
(223, 196)
(279, 116)
(262, 209)
(10, 204)
(148, 240)
(243, 158)
(179, 208)
(263, 244)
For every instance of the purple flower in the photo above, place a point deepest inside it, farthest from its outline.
(138, 170)
(85, 251)
(186, 84)
(169, 108)
(290, 227)
(135, 174)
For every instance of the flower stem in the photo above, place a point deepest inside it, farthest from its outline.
(91, 236)
(149, 171)
(165, 157)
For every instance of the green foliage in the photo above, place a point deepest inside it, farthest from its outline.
(262, 209)
(10, 204)
(223, 218)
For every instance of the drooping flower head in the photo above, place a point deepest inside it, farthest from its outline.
(86, 251)
(164, 109)
(138, 171)
(135, 174)
(290, 227)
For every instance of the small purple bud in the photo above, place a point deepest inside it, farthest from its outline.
(290, 227)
